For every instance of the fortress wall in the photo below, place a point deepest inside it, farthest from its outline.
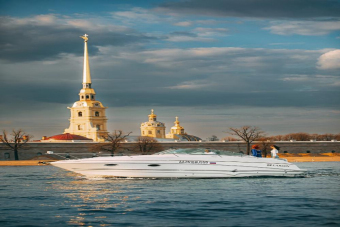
(86, 149)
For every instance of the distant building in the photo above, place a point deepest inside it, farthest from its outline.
(156, 129)
(175, 130)
(88, 117)
(153, 128)
(66, 137)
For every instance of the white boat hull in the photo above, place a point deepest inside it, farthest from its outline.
(180, 166)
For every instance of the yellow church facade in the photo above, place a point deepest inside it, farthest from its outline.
(153, 128)
(156, 129)
(175, 130)
(88, 116)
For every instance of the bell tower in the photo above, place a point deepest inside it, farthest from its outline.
(88, 116)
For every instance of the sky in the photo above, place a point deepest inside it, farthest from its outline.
(215, 64)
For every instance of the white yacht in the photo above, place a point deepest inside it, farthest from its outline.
(182, 163)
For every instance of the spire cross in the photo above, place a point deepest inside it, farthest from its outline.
(84, 37)
(151, 111)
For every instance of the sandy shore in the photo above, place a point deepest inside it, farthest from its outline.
(324, 157)
(26, 163)
(303, 157)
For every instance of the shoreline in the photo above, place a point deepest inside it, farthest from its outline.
(302, 157)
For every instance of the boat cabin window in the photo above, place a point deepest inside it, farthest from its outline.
(198, 151)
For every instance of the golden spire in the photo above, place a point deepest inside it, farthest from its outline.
(86, 69)
(176, 122)
(152, 116)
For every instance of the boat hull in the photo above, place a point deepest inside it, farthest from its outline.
(180, 166)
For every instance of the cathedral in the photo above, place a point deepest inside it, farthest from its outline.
(88, 117)
(88, 120)
(156, 129)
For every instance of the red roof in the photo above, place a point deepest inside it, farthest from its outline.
(67, 136)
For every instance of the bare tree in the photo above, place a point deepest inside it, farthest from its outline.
(248, 134)
(18, 140)
(299, 136)
(147, 144)
(230, 138)
(265, 145)
(113, 141)
(213, 138)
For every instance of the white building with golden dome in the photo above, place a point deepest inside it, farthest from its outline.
(88, 116)
(175, 130)
(156, 129)
(153, 128)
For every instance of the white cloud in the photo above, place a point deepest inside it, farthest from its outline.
(210, 31)
(137, 14)
(183, 23)
(329, 60)
(191, 85)
(304, 27)
(184, 38)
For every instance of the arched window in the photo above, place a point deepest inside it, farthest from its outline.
(87, 97)
(92, 97)
(82, 97)
(39, 154)
(96, 114)
(80, 114)
(80, 127)
(98, 127)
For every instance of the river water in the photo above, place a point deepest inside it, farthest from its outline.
(48, 196)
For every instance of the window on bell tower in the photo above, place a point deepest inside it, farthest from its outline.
(80, 114)
(87, 97)
(96, 114)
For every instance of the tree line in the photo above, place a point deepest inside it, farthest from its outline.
(299, 136)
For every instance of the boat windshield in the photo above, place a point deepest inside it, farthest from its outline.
(198, 151)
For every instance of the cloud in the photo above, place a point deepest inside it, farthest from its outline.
(304, 27)
(211, 31)
(183, 23)
(48, 36)
(302, 9)
(137, 13)
(329, 60)
(198, 84)
(186, 37)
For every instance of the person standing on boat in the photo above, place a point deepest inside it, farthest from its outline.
(274, 151)
(256, 152)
